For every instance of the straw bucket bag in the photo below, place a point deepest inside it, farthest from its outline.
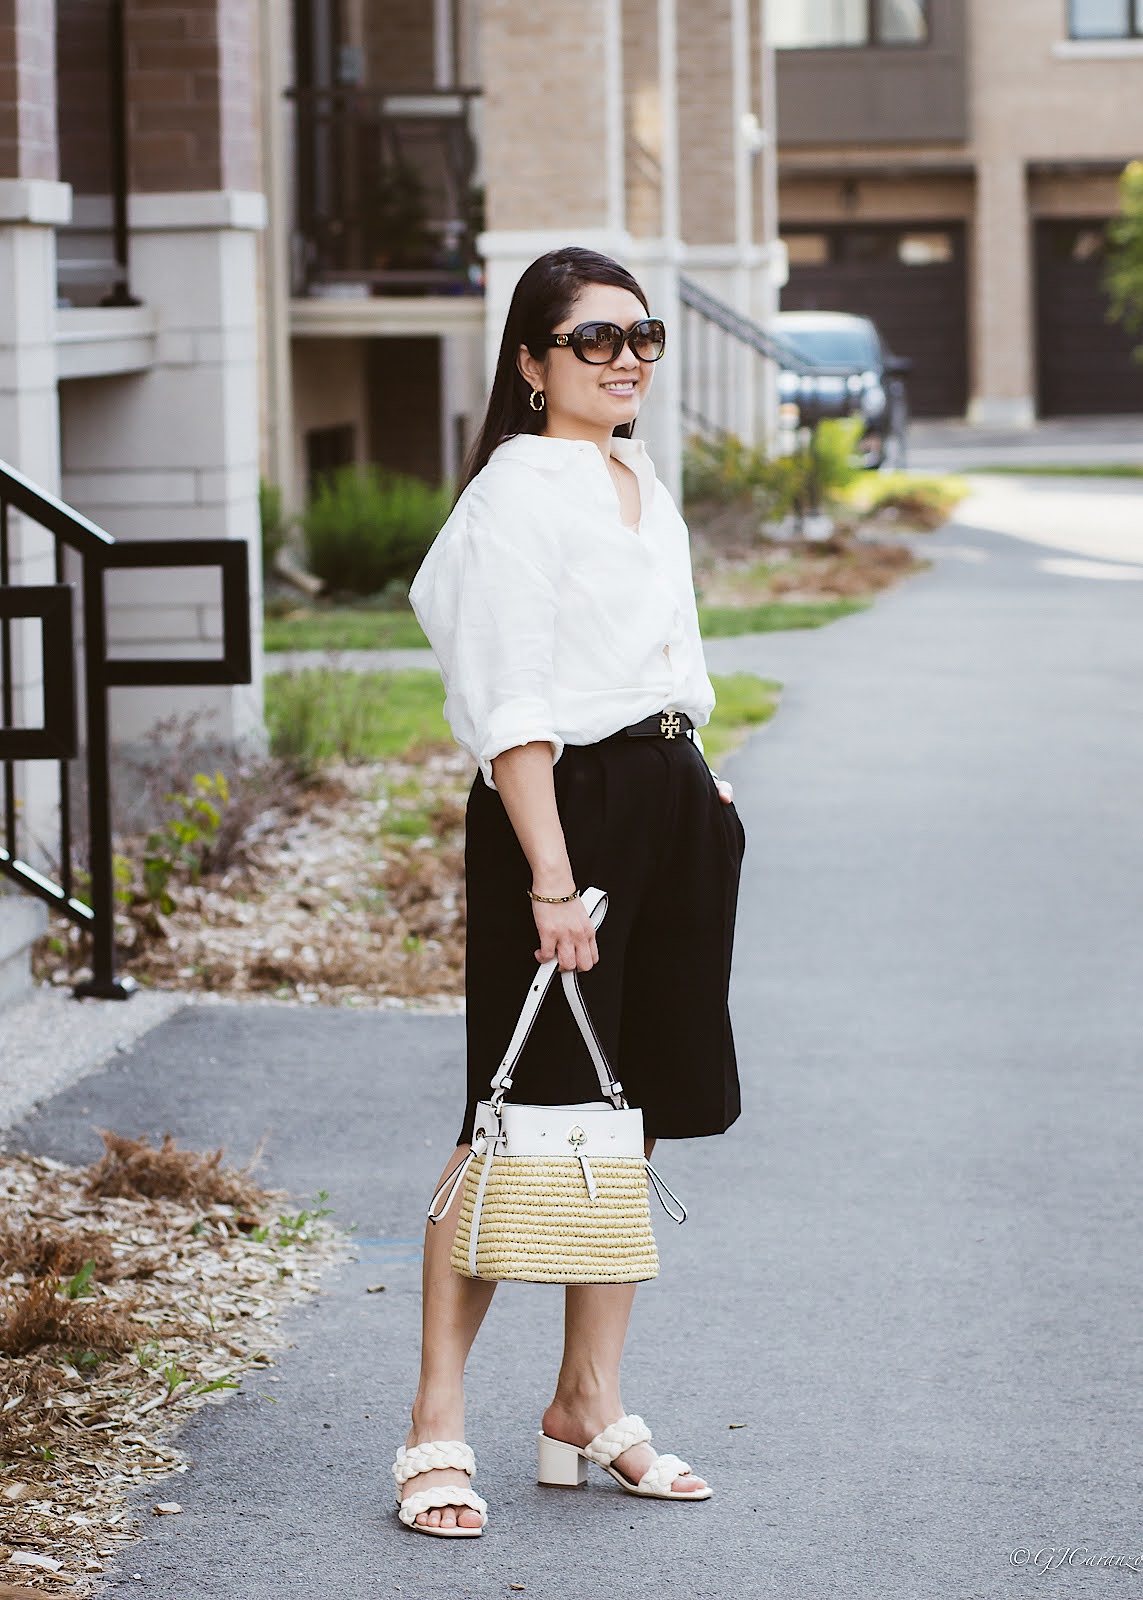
(556, 1194)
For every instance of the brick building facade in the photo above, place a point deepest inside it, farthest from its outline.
(955, 182)
(629, 125)
(130, 212)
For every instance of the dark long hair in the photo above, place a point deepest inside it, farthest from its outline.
(544, 296)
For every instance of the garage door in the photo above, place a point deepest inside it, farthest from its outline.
(911, 281)
(1085, 363)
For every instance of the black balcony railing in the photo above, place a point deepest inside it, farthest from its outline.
(86, 894)
(386, 192)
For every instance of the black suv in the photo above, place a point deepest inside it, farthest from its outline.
(855, 376)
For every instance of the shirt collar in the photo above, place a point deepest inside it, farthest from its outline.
(538, 450)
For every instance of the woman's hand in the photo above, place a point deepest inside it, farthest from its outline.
(725, 790)
(568, 932)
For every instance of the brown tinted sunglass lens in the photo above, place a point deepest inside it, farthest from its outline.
(597, 341)
(649, 339)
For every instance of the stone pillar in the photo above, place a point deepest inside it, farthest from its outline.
(277, 181)
(1003, 390)
(560, 104)
(174, 451)
(775, 273)
(32, 203)
(651, 85)
(720, 85)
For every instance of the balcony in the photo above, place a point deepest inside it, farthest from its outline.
(387, 198)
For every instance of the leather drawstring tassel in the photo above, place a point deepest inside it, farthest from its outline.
(661, 1190)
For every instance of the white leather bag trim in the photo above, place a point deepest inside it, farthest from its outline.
(595, 904)
(545, 1130)
(477, 1208)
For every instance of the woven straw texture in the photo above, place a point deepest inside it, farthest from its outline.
(537, 1224)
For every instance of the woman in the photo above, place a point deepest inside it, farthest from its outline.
(560, 603)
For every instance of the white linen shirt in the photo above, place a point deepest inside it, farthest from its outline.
(549, 616)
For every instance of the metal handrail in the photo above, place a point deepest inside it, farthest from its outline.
(753, 334)
(743, 329)
(57, 740)
(714, 341)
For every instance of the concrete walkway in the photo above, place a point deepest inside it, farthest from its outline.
(899, 1332)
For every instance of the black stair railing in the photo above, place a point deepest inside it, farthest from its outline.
(58, 739)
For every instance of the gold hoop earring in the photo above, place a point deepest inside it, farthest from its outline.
(532, 399)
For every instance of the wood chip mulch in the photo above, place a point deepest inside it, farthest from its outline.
(349, 891)
(191, 1265)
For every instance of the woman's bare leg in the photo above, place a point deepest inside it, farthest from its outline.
(452, 1309)
(587, 1391)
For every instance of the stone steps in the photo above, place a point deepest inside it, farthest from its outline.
(22, 920)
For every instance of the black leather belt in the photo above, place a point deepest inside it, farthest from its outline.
(661, 725)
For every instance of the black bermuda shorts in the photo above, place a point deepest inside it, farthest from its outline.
(644, 821)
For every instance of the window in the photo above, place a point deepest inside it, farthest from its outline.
(1105, 19)
(833, 24)
(925, 249)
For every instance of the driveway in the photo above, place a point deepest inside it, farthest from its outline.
(900, 1330)
(958, 446)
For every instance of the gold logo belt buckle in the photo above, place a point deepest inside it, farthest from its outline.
(669, 724)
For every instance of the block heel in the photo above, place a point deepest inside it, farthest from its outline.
(561, 1465)
(566, 1464)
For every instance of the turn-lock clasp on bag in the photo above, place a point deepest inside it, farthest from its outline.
(556, 1193)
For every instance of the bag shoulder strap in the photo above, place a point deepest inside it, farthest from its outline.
(595, 904)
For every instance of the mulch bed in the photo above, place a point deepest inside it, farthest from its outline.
(348, 891)
(132, 1293)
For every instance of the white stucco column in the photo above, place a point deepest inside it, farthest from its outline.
(173, 452)
(30, 210)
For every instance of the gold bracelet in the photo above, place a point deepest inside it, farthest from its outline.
(554, 900)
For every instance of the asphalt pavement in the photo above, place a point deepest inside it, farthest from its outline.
(899, 1333)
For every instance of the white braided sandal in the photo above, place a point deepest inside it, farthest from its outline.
(565, 1465)
(418, 1458)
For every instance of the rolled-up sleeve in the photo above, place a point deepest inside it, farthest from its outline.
(490, 615)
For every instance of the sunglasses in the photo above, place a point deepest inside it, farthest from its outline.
(597, 343)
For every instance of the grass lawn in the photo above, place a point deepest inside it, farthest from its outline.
(356, 628)
(773, 616)
(325, 715)
(344, 628)
(744, 702)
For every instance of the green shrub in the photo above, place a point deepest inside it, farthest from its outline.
(1123, 278)
(725, 471)
(273, 520)
(833, 451)
(366, 527)
(721, 469)
(180, 844)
